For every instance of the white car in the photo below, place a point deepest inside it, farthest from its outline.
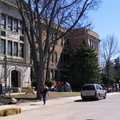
(94, 91)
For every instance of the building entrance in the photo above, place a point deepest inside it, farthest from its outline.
(14, 78)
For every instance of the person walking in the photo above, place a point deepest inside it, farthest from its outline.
(44, 92)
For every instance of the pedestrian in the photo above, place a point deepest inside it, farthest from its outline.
(59, 86)
(67, 87)
(44, 92)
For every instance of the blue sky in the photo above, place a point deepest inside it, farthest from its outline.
(106, 20)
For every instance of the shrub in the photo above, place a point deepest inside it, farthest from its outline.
(9, 111)
(2, 112)
(48, 83)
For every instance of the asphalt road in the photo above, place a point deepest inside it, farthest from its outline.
(108, 109)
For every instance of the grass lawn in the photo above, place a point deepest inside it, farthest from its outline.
(51, 95)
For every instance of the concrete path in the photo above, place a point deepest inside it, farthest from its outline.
(36, 105)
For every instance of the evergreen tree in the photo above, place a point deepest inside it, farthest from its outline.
(84, 68)
(117, 69)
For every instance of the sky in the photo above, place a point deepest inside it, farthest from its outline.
(106, 19)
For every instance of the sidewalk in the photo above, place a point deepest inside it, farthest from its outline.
(39, 104)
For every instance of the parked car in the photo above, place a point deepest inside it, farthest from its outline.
(94, 91)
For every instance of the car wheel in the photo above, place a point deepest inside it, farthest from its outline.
(98, 97)
(104, 96)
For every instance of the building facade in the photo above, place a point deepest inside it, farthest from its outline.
(14, 48)
(59, 64)
(76, 36)
(15, 67)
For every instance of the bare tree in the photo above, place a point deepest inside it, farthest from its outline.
(109, 50)
(53, 17)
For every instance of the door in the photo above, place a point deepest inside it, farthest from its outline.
(14, 78)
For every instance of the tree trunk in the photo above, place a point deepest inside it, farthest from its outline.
(40, 80)
(47, 69)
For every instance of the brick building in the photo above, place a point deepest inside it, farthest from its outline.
(65, 46)
(15, 67)
(78, 35)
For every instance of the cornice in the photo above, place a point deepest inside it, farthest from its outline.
(8, 3)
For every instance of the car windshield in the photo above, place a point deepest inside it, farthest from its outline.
(88, 87)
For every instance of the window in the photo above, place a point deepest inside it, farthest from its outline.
(55, 74)
(52, 74)
(52, 57)
(15, 49)
(55, 54)
(3, 33)
(53, 37)
(9, 23)
(3, 21)
(9, 48)
(90, 42)
(21, 50)
(88, 87)
(15, 25)
(65, 58)
(61, 58)
(67, 42)
(21, 38)
(21, 27)
(62, 41)
(3, 46)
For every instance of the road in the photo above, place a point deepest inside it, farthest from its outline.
(108, 109)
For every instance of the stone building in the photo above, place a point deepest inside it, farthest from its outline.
(14, 48)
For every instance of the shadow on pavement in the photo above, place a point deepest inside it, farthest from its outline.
(87, 100)
(89, 119)
(35, 105)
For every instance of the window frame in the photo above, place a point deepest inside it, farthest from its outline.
(3, 21)
(3, 46)
(10, 23)
(9, 49)
(15, 25)
(15, 51)
(21, 50)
